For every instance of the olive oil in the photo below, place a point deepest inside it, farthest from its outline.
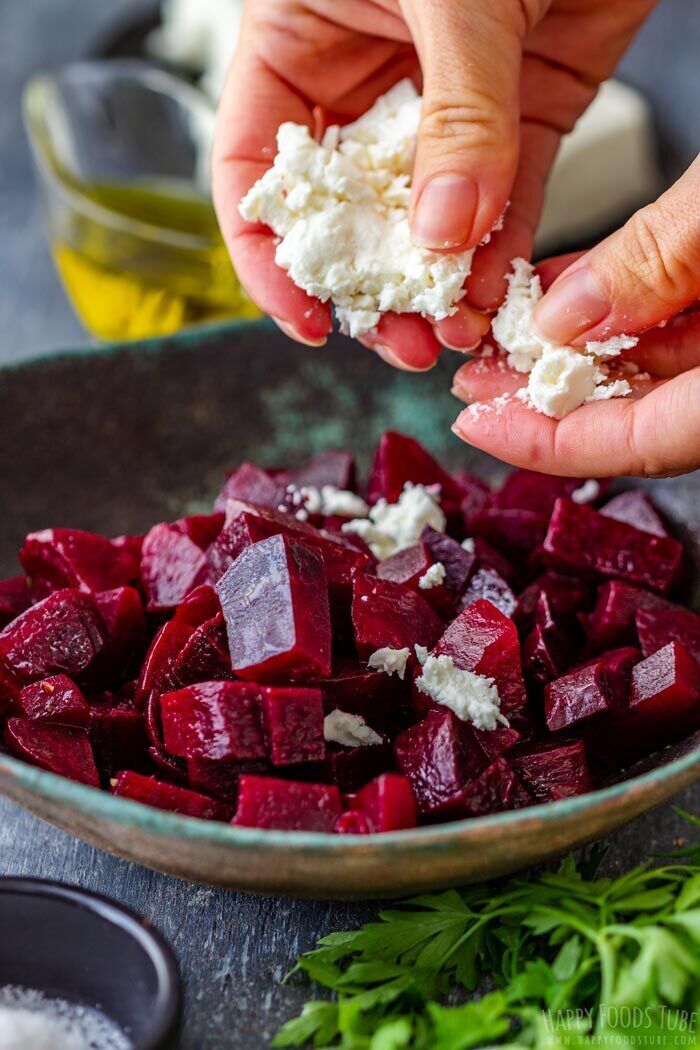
(143, 260)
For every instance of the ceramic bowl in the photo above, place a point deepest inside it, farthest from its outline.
(118, 438)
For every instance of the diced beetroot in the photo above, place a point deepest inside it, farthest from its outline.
(598, 688)
(483, 640)
(582, 539)
(351, 767)
(399, 459)
(459, 564)
(487, 557)
(439, 756)
(406, 566)
(202, 529)
(172, 565)
(476, 494)
(157, 675)
(118, 736)
(64, 750)
(554, 770)
(497, 788)
(122, 612)
(56, 699)
(293, 722)
(205, 656)
(275, 602)
(254, 485)
(167, 765)
(387, 614)
(487, 584)
(544, 656)
(635, 508)
(200, 605)
(14, 598)
(612, 621)
(387, 803)
(214, 720)
(326, 468)
(566, 596)
(529, 490)
(666, 692)
(618, 661)
(161, 795)
(495, 742)
(289, 805)
(220, 776)
(352, 822)
(377, 697)
(59, 558)
(513, 530)
(61, 634)
(657, 627)
(131, 544)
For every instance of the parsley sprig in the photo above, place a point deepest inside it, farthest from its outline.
(571, 959)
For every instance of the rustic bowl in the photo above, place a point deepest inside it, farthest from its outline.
(117, 438)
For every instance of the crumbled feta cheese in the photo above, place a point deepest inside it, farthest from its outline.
(421, 654)
(473, 697)
(326, 500)
(391, 527)
(561, 377)
(391, 661)
(589, 491)
(340, 209)
(341, 727)
(432, 577)
(468, 545)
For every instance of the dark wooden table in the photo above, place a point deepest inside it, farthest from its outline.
(234, 949)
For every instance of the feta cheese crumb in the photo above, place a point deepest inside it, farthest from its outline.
(326, 500)
(340, 209)
(561, 377)
(432, 577)
(468, 545)
(391, 527)
(341, 727)
(421, 654)
(391, 661)
(473, 697)
(589, 491)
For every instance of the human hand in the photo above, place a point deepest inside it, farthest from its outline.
(501, 84)
(644, 274)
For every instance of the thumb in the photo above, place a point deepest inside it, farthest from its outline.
(644, 273)
(467, 148)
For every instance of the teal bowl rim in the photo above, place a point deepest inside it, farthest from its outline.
(101, 804)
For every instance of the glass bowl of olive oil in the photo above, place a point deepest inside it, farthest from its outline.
(122, 151)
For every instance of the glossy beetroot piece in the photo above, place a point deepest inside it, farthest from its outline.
(14, 598)
(171, 797)
(400, 459)
(565, 594)
(387, 803)
(60, 635)
(118, 737)
(515, 531)
(486, 584)
(275, 602)
(253, 485)
(459, 564)
(351, 767)
(56, 699)
(213, 720)
(64, 750)
(57, 558)
(582, 539)
(483, 640)
(488, 557)
(380, 699)
(657, 627)
(205, 655)
(666, 692)
(331, 467)
(589, 691)
(635, 508)
(219, 777)
(612, 619)
(157, 675)
(386, 614)
(406, 566)
(544, 656)
(123, 616)
(200, 605)
(202, 529)
(288, 805)
(529, 490)
(293, 723)
(552, 771)
(172, 565)
(499, 787)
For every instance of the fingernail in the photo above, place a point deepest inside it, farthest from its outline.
(571, 307)
(444, 214)
(290, 330)
(391, 358)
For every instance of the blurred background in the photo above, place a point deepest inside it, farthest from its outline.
(116, 177)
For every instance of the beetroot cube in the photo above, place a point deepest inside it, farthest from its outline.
(513, 530)
(293, 721)
(351, 767)
(157, 675)
(612, 621)
(494, 742)
(565, 595)
(213, 720)
(131, 544)
(172, 565)
(118, 736)
(64, 750)
(205, 656)
(657, 627)
(387, 803)
(387, 614)
(544, 656)
(582, 539)
(407, 566)
(459, 564)
(254, 485)
(529, 490)
(59, 558)
(439, 756)
(592, 690)
(14, 598)
(476, 494)
(483, 640)
(220, 776)
(200, 605)
(330, 467)
(202, 529)
(376, 697)
(487, 557)
(554, 771)
(635, 508)
(399, 459)
(171, 797)
(666, 692)
(61, 634)
(352, 822)
(497, 788)
(122, 612)
(56, 699)
(486, 584)
(289, 805)
(275, 602)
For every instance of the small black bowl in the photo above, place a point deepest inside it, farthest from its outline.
(80, 946)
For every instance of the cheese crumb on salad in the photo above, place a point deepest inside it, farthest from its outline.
(348, 730)
(432, 577)
(391, 661)
(473, 697)
(391, 527)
